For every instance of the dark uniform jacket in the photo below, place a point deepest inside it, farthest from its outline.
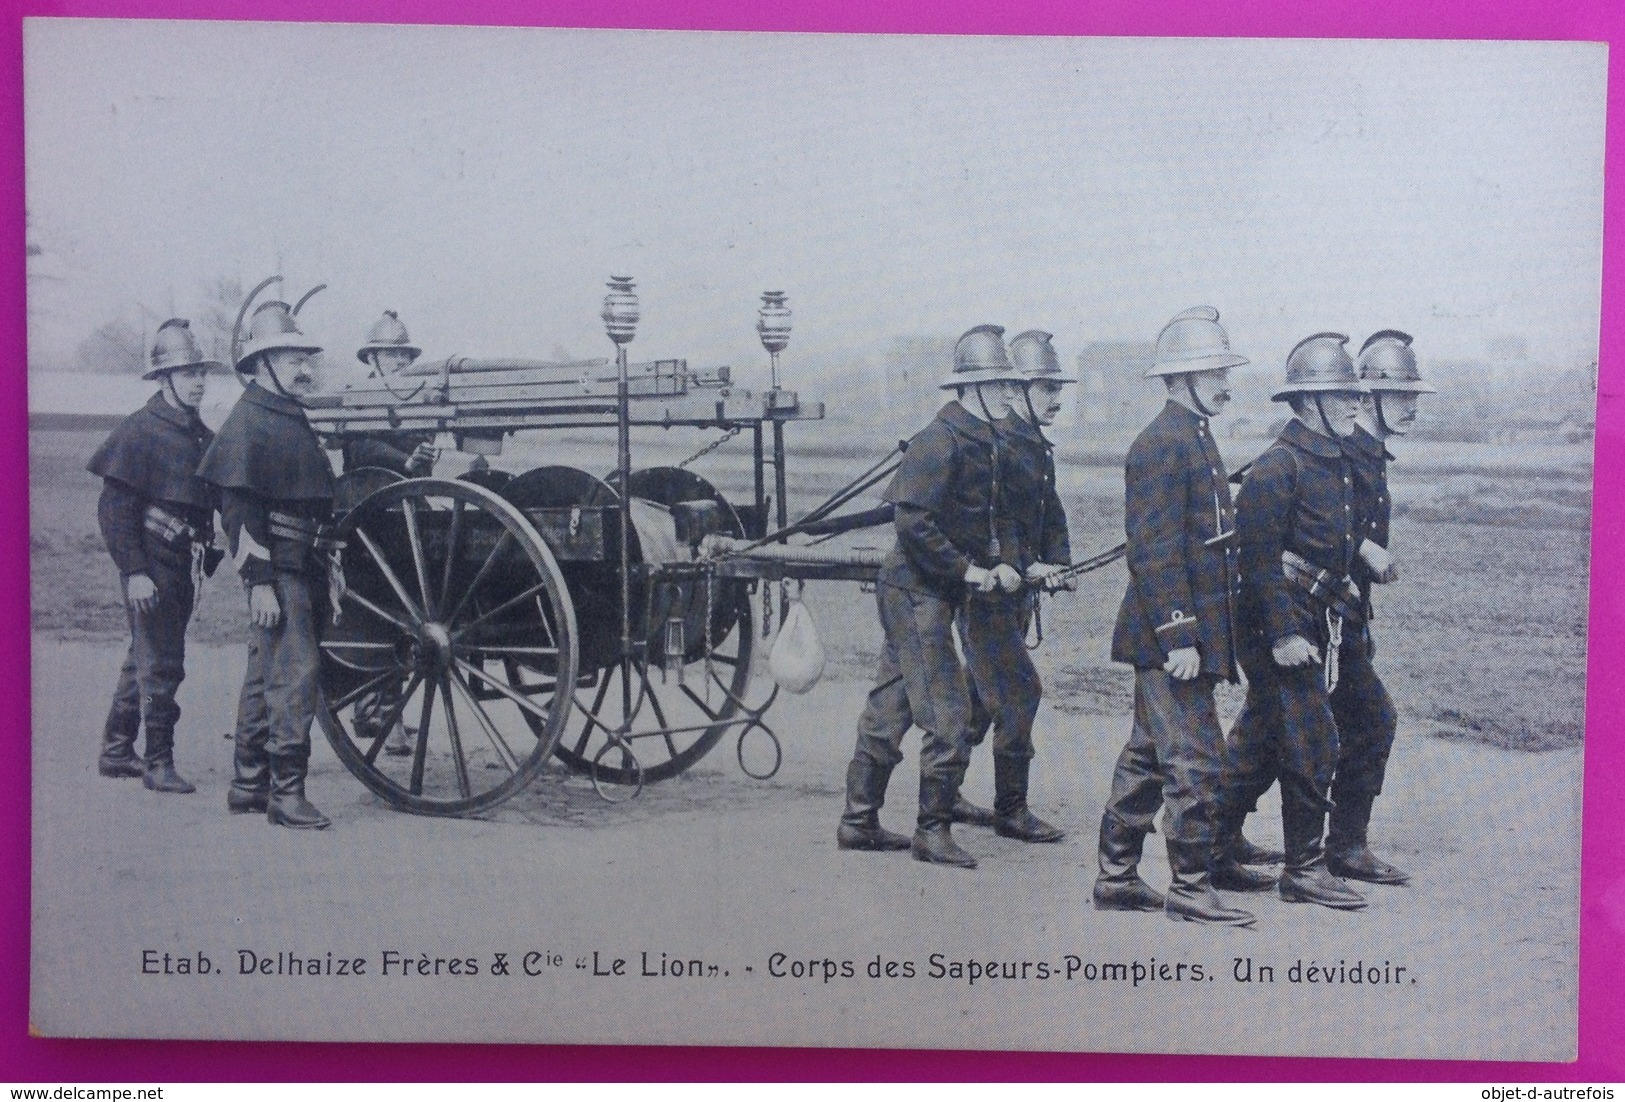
(1028, 485)
(389, 450)
(1373, 506)
(276, 486)
(1181, 548)
(151, 460)
(947, 497)
(1298, 496)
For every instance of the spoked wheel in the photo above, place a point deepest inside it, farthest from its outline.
(681, 697)
(457, 627)
(679, 711)
(354, 486)
(488, 477)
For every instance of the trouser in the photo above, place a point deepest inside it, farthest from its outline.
(154, 666)
(1174, 759)
(1004, 683)
(280, 685)
(919, 681)
(1363, 721)
(1286, 731)
(1366, 722)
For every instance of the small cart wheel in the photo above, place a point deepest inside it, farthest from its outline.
(682, 701)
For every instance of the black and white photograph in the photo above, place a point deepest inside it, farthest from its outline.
(855, 541)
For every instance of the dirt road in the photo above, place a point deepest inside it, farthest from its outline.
(737, 885)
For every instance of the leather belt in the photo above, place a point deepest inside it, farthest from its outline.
(168, 527)
(304, 531)
(312, 533)
(1337, 592)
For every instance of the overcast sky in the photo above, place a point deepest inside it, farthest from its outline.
(484, 182)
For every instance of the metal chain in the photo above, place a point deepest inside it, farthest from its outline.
(710, 598)
(712, 446)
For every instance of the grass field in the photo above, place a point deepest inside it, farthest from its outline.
(1484, 639)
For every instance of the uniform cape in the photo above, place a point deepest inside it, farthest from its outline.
(267, 448)
(155, 452)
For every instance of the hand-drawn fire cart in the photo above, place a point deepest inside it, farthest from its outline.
(608, 621)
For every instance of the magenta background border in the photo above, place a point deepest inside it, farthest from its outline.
(1602, 913)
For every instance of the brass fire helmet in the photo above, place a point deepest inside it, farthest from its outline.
(388, 332)
(175, 348)
(1034, 357)
(1319, 365)
(1193, 341)
(980, 357)
(273, 328)
(1387, 363)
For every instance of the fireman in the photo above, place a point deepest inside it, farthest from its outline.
(1006, 689)
(276, 491)
(1365, 712)
(1298, 522)
(157, 518)
(950, 530)
(1176, 627)
(388, 351)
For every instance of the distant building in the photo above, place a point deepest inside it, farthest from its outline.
(914, 366)
(1510, 400)
(1113, 390)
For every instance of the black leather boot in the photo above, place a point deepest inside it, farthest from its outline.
(1119, 887)
(1306, 879)
(250, 791)
(1231, 842)
(118, 746)
(1347, 853)
(1191, 897)
(287, 805)
(972, 814)
(1233, 876)
(1229, 870)
(1014, 819)
(159, 774)
(1250, 853)
(247, 803)
(860, 824)
(933, 840)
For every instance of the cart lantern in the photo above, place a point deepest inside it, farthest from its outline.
(773, 322)
(773, 326)
(620, 310)
(674, 647)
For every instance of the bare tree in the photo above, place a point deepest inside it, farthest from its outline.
(217, 311)
(116, 348)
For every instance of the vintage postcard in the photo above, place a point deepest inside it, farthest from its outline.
(754, 539)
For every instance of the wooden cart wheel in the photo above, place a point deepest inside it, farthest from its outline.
(456, 624)
(680, 709)
(354, 486)
(489, 477)
(677, 717)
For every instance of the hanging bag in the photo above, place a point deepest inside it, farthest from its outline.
(797, 660)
